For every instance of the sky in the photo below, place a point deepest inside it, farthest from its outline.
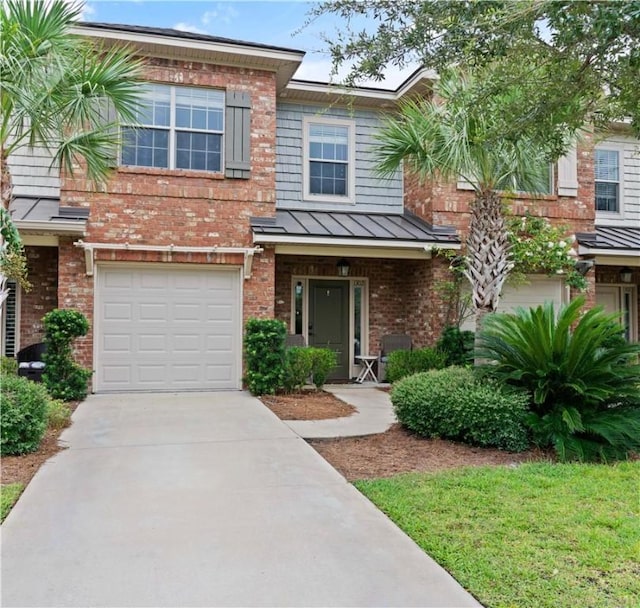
(275, 22)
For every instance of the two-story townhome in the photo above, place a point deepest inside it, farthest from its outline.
(248, 193)
(614, 244)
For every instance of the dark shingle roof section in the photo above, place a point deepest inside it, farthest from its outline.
(162, 31)
(611, 237)
(341, 224)
(45, 209)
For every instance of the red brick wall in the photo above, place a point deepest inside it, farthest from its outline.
(401, 294)
(42, 263)
(445, 204)
(194, 208)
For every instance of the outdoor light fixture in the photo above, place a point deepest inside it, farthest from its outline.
(625, 274)
(343, 268)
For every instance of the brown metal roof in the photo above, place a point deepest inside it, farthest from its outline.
(334, 224)
(611, 237)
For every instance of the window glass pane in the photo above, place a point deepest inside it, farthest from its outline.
(607, 196)
(145, 147)
(357, 320)
(299, 298)
(199, 109)
(198, 151)
(154, 106)
(328, 178)
(606, 165)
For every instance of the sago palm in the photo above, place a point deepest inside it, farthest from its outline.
(583, 380)
(450, 137)
(60, 91)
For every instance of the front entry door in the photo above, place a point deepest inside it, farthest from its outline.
(329, 321)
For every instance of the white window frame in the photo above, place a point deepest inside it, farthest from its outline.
(619, 149)
(350, 197)
(362, 282)
(173, 129)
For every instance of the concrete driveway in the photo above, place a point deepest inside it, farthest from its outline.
(203, 499)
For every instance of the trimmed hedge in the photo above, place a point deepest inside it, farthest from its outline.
(265, 355)
(298, 367)
(62, 376)
(450, 403)
(23, 413)
(402, 363)
(8, 366)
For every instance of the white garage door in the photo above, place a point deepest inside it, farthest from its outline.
(536, 292)
(166, 329)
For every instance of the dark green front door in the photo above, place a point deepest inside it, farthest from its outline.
(329, 321)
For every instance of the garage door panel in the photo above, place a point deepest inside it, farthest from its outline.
(532, 294)
(162, 329)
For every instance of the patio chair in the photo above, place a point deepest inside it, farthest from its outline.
(30, 363)
(389, 344)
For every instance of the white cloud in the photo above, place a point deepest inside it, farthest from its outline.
(188, 27)
(223, 13)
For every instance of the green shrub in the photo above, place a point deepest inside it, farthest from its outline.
(583, 380)
(264, 345)
(402, 363)
(23, 412)
(452, 404)
(298, 367)
(58, 414)
(62, 376)
(8, 366)
(323, 361)
(456, 345)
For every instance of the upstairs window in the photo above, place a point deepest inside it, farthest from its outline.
(607, 177)
(180, 128)
(329, 160)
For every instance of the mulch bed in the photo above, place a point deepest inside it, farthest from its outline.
(20, 469)
(399, 451)
(307, 405)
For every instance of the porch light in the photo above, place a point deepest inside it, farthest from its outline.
(343, 268)
(625, 274)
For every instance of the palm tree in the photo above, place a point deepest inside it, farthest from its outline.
(451, 137)
(59, 91)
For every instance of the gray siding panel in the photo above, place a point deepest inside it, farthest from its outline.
(31, 175)
(373, 195)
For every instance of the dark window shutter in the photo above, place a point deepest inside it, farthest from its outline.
(237, 137)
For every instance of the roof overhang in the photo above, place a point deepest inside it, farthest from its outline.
(611, 245)
(419, 83)
(44, 216)
(172, 44)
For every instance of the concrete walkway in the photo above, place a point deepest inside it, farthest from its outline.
(374, 415)
(203, 499)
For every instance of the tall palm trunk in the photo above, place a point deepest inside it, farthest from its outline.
(6, 188)
(488, 256)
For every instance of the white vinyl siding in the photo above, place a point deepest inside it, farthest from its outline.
(371, 194)
(628, 180)
(164, 329)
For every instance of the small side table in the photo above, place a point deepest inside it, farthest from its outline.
(367, 368)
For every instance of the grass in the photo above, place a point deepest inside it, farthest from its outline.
(536, 535)
(9, 495)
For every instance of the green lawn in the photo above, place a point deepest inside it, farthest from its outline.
(535, 535)
(9, 494)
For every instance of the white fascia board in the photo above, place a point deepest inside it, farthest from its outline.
(388, 95)
(350, 242)
(632, 253)
(59, 228)
(198, 45)
(618, 260)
